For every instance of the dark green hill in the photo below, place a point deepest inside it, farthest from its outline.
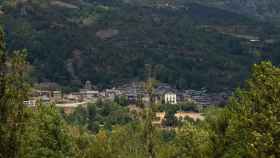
(190, 45)
(267, 10)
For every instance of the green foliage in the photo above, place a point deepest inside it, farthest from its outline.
(14, 91)
(254, 127)
(264, 10)
(168, 136)
(103, 114)
(121, 100)
(149, 134)
(47, 135)
(189, 106)
(249, 125)
(170, 120)
(217, 122)
(193, 142)
(125, 141)
(185, 106)
(83, 141)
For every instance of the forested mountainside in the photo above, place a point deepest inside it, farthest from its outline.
(264, 9)
(109, 41)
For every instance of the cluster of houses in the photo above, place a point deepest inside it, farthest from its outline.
(134, 92)
(166, 94)
(85, 95)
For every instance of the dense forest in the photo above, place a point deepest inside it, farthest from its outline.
(189, 45)
(267, 10)
(247, 127)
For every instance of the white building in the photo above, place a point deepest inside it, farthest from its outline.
(170, 98)
(30, 103)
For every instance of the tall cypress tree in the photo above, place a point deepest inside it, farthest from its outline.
(3, 109)
(13, 92)
(149, 129)
(2, 63)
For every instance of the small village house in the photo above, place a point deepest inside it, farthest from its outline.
(30, 103)
(73, 97)
(56, 96)
(89, 94)
(112, 93)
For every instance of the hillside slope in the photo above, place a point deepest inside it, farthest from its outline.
(268, 10)
(190, 46)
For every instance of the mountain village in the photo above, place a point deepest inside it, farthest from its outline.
(135, 95)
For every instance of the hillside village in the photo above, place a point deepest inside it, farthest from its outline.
(134, 93)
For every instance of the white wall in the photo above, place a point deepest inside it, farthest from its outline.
(170, 98)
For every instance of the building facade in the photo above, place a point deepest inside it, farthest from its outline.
(170, 98)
